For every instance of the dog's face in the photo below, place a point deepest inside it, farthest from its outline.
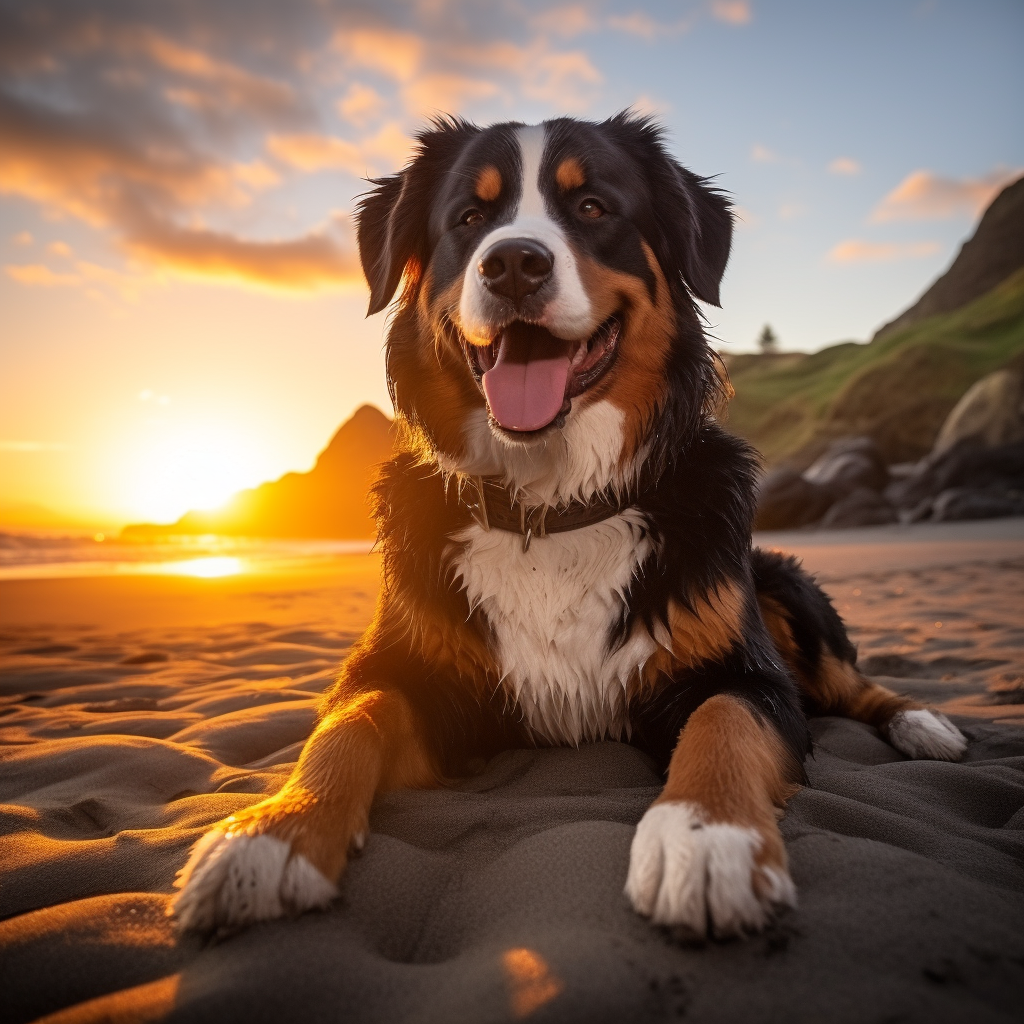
(546, 312)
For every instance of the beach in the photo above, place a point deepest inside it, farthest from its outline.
(139, 708)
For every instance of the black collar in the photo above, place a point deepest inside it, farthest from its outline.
(496, 507)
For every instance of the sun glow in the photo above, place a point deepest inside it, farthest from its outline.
(176, 467)
(205, 568)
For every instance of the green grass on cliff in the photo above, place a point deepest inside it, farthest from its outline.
(898, 389)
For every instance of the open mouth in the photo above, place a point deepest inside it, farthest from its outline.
(529, 377)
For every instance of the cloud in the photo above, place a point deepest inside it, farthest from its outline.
(639, 23)
(763, 155)
(926, 196)
(856, 250)
(733, 12)
(446, 93)
(22, 238)
(360, 104)
(59, 248)
(844, 165)
(392, 52)
(387, 150)
(568, 21)
(320, 259)
(792, 211)
(37, 275)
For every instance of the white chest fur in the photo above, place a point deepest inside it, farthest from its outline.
(551, 609)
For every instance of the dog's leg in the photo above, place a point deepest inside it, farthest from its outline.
(285, 854)
(708, 854)
(811, 637)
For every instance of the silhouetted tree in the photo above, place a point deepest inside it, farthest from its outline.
(768, 342)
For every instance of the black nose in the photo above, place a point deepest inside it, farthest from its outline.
(516, 267)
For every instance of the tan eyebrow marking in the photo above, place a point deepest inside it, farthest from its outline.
(570, 174)
(488, 183)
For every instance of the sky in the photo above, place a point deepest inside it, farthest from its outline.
(181, 306)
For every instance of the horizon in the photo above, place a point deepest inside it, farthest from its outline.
(183, 309)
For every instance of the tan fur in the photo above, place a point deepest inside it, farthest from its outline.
(701, 635)
(366, 745)
(835, 686)
(436, 640)
(737, 770)
(570, 174)
(445, 391)
(488, 183)
(636, 384)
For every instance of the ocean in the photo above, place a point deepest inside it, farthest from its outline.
(25, 556)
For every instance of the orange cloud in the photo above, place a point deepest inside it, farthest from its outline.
(232, 85)
(360, 104)
(926, 196)
(445, 92)
(639, 23)
(391, 51)
(568, 21)
(35, 274)
(858, 251)
(310, 151)
(315, 261)
(733, 12)
(763, 155)
(844, 165)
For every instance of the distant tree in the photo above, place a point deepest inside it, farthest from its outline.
(768, 342)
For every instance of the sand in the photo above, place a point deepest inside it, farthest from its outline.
(137, 711)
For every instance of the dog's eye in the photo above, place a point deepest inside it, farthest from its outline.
(591, 208)
(472, 217)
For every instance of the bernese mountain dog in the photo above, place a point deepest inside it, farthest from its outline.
(566, 536)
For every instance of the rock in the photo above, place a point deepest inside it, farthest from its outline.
(861, 507)
(787, 500)
(990, 413)
(959, 503)
(849, 463)
(968, 465)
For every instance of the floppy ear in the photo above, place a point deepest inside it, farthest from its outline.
(705, 249)
(387, 238)
(392, 219)
(694, 229)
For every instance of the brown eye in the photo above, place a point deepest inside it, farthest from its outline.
(472, 217)
(591, 208)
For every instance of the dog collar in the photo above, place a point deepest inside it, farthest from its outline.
(496, 507)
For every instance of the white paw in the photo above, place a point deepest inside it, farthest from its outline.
(927, 734)
(235, 880)
(684, 872)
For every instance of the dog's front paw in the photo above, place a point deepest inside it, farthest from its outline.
(234, 879)
(706, 878)
(920, 733)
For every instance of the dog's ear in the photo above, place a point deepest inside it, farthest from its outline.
(707, 231)
(386, 233)
(393, 219)
(694, 227)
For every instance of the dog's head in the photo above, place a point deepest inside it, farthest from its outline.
(546, 329)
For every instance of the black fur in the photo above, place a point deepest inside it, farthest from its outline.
(699, 508)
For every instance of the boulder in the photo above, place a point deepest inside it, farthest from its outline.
(861, 507)
(849, 463)
(991, 413)
(787, 500)
(959, 503)
(968, 465)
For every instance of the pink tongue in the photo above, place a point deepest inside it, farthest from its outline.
(526, 396)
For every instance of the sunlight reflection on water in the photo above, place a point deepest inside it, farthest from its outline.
(205, 568)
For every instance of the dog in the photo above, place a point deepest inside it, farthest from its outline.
(566, 536)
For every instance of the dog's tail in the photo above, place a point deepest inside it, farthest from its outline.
(811, 637)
